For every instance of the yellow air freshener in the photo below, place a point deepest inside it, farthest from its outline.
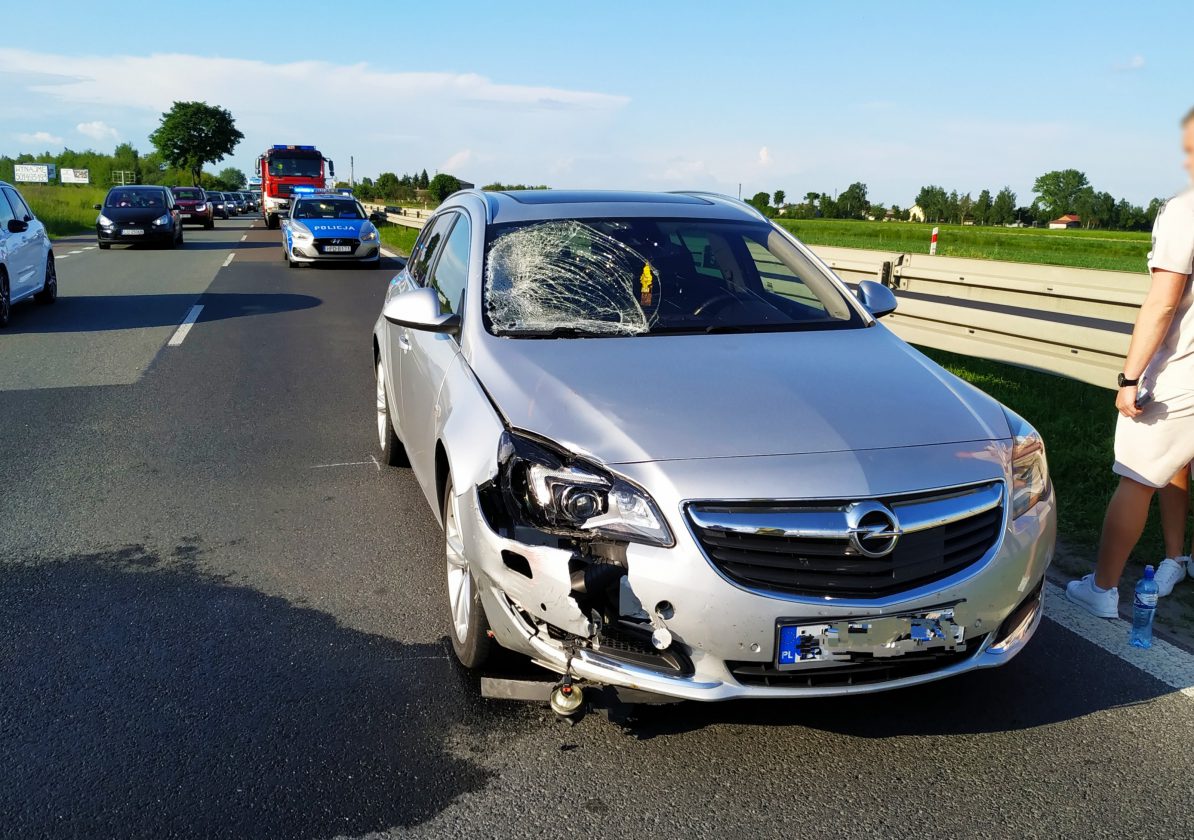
(644, 295)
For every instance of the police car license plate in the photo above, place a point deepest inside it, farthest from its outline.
(336, 249)
(132, 232)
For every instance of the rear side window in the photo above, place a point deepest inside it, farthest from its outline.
(451, 271)
(19, 208)
(6, 214)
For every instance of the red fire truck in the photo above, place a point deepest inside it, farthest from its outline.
(282, 168)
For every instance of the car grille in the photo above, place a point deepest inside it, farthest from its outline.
(321, 245)
(805, 548)
(863, 670)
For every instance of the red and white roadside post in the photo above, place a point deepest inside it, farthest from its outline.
(933, 243)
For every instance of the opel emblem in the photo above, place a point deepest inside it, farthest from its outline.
(873, 528)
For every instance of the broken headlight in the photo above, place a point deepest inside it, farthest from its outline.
(559, 493)
(1030, 470)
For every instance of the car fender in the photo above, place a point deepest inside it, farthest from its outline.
(468, 430)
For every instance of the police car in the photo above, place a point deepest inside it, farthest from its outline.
(329, 226)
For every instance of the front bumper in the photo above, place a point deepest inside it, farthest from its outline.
(197, 217)
(149, 233)
(727, 631)
(307, 252)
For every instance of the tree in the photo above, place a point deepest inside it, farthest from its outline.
(878, 212)
(423, 181)
(852, 203)
(232, 178)
(965, 208)
(759, 201)
(1003, 208)
(932, 200)
(778, 198)
(387, 185)
(442, 185)
(194, 133)
(982, 208)
(1058, 191)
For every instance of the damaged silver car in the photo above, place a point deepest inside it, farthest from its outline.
(672, 452)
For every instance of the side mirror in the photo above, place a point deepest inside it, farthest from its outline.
(17, 226)
(331, 169)
(418, 309)
(877, 298)
(98, 206)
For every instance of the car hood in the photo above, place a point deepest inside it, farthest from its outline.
(333, 227)
(626, 400)
(134, 214)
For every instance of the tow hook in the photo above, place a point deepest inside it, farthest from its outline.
(566, 698)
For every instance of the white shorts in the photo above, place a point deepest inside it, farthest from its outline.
(1153, 447)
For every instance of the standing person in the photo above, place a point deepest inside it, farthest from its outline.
(1154, 437)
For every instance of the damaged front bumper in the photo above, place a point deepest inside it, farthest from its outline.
(723, 639)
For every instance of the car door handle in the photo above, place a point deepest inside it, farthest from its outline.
(403, 340)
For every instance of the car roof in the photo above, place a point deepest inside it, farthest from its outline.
(137, 187)
(532, 205)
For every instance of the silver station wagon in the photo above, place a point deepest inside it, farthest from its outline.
(672, 452)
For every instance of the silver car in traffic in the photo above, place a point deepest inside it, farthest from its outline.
(672, 452)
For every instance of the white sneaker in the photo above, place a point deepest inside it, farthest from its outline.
(1103, 604)
(1169, 573)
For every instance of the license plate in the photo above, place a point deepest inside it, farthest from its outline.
(189, 215)
(132, 232)
(881, 636)
(336, 249)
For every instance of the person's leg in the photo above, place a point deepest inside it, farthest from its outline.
(1122, 527)
(1174, 501)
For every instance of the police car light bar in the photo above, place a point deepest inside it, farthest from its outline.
(301, 148)
(304, 189)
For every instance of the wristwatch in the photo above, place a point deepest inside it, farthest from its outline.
(1124, 382)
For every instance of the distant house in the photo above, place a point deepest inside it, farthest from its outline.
(916, 214)
(1067, 221)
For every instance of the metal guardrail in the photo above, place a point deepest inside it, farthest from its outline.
(408, 216)
(1068, 321)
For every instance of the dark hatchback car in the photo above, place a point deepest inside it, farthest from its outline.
(139, 214)
(220, 205)
(194, 207)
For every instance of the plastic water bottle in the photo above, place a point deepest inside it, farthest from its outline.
(1143, 609)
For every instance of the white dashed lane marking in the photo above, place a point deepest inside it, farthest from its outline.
(243, 238)
(1163, 661)
(180, 334)
(228, 261)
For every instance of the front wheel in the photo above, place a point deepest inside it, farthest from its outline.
(393, 454)
(49, 288)
(104, 246)
(469, 627)
(5, 302)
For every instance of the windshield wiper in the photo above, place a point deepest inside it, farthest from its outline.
(554, 332)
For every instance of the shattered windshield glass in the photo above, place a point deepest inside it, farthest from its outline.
(627, 277)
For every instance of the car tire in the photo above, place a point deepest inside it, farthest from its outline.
(104, 246)
(5, 301)
(393, 453)
(209, 224)
(49, 287)
(468, 628)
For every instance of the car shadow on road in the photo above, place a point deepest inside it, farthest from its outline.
(96, 313)
(145, 698)
(1045, 684)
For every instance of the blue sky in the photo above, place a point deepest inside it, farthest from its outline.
(659, 95)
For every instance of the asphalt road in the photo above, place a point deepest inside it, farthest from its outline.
(220, 618)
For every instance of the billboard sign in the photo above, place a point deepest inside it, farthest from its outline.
(76, 176)
(35, 173)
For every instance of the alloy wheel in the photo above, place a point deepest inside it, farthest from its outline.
(383, 409)
(460, 579)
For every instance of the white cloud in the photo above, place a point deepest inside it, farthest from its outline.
(97, 130)
(764, 156)
(456, 161)
(1136, 62)
(43, 137)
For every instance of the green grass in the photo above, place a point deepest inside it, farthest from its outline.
(1105, 249)
(399, 238)
(64, 209)
(1077, 422)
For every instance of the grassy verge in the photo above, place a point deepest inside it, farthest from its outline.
(398, 238)
(1078, 423)
(64, 209)
(1114, 250)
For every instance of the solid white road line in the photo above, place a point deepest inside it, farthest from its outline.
(1163, 661)
(228, 261)
(180, 334)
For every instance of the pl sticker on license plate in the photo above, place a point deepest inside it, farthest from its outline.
(881, 636)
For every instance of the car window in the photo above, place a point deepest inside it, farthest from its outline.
(328, 208)
(450, 274)
(6, 213)
(651, 276)
(19, 207)
(428, 245)
(187, 194)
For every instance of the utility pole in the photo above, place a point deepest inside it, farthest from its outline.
(739, 190)
(352, 175)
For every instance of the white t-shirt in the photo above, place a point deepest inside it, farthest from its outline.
(1172, 368)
